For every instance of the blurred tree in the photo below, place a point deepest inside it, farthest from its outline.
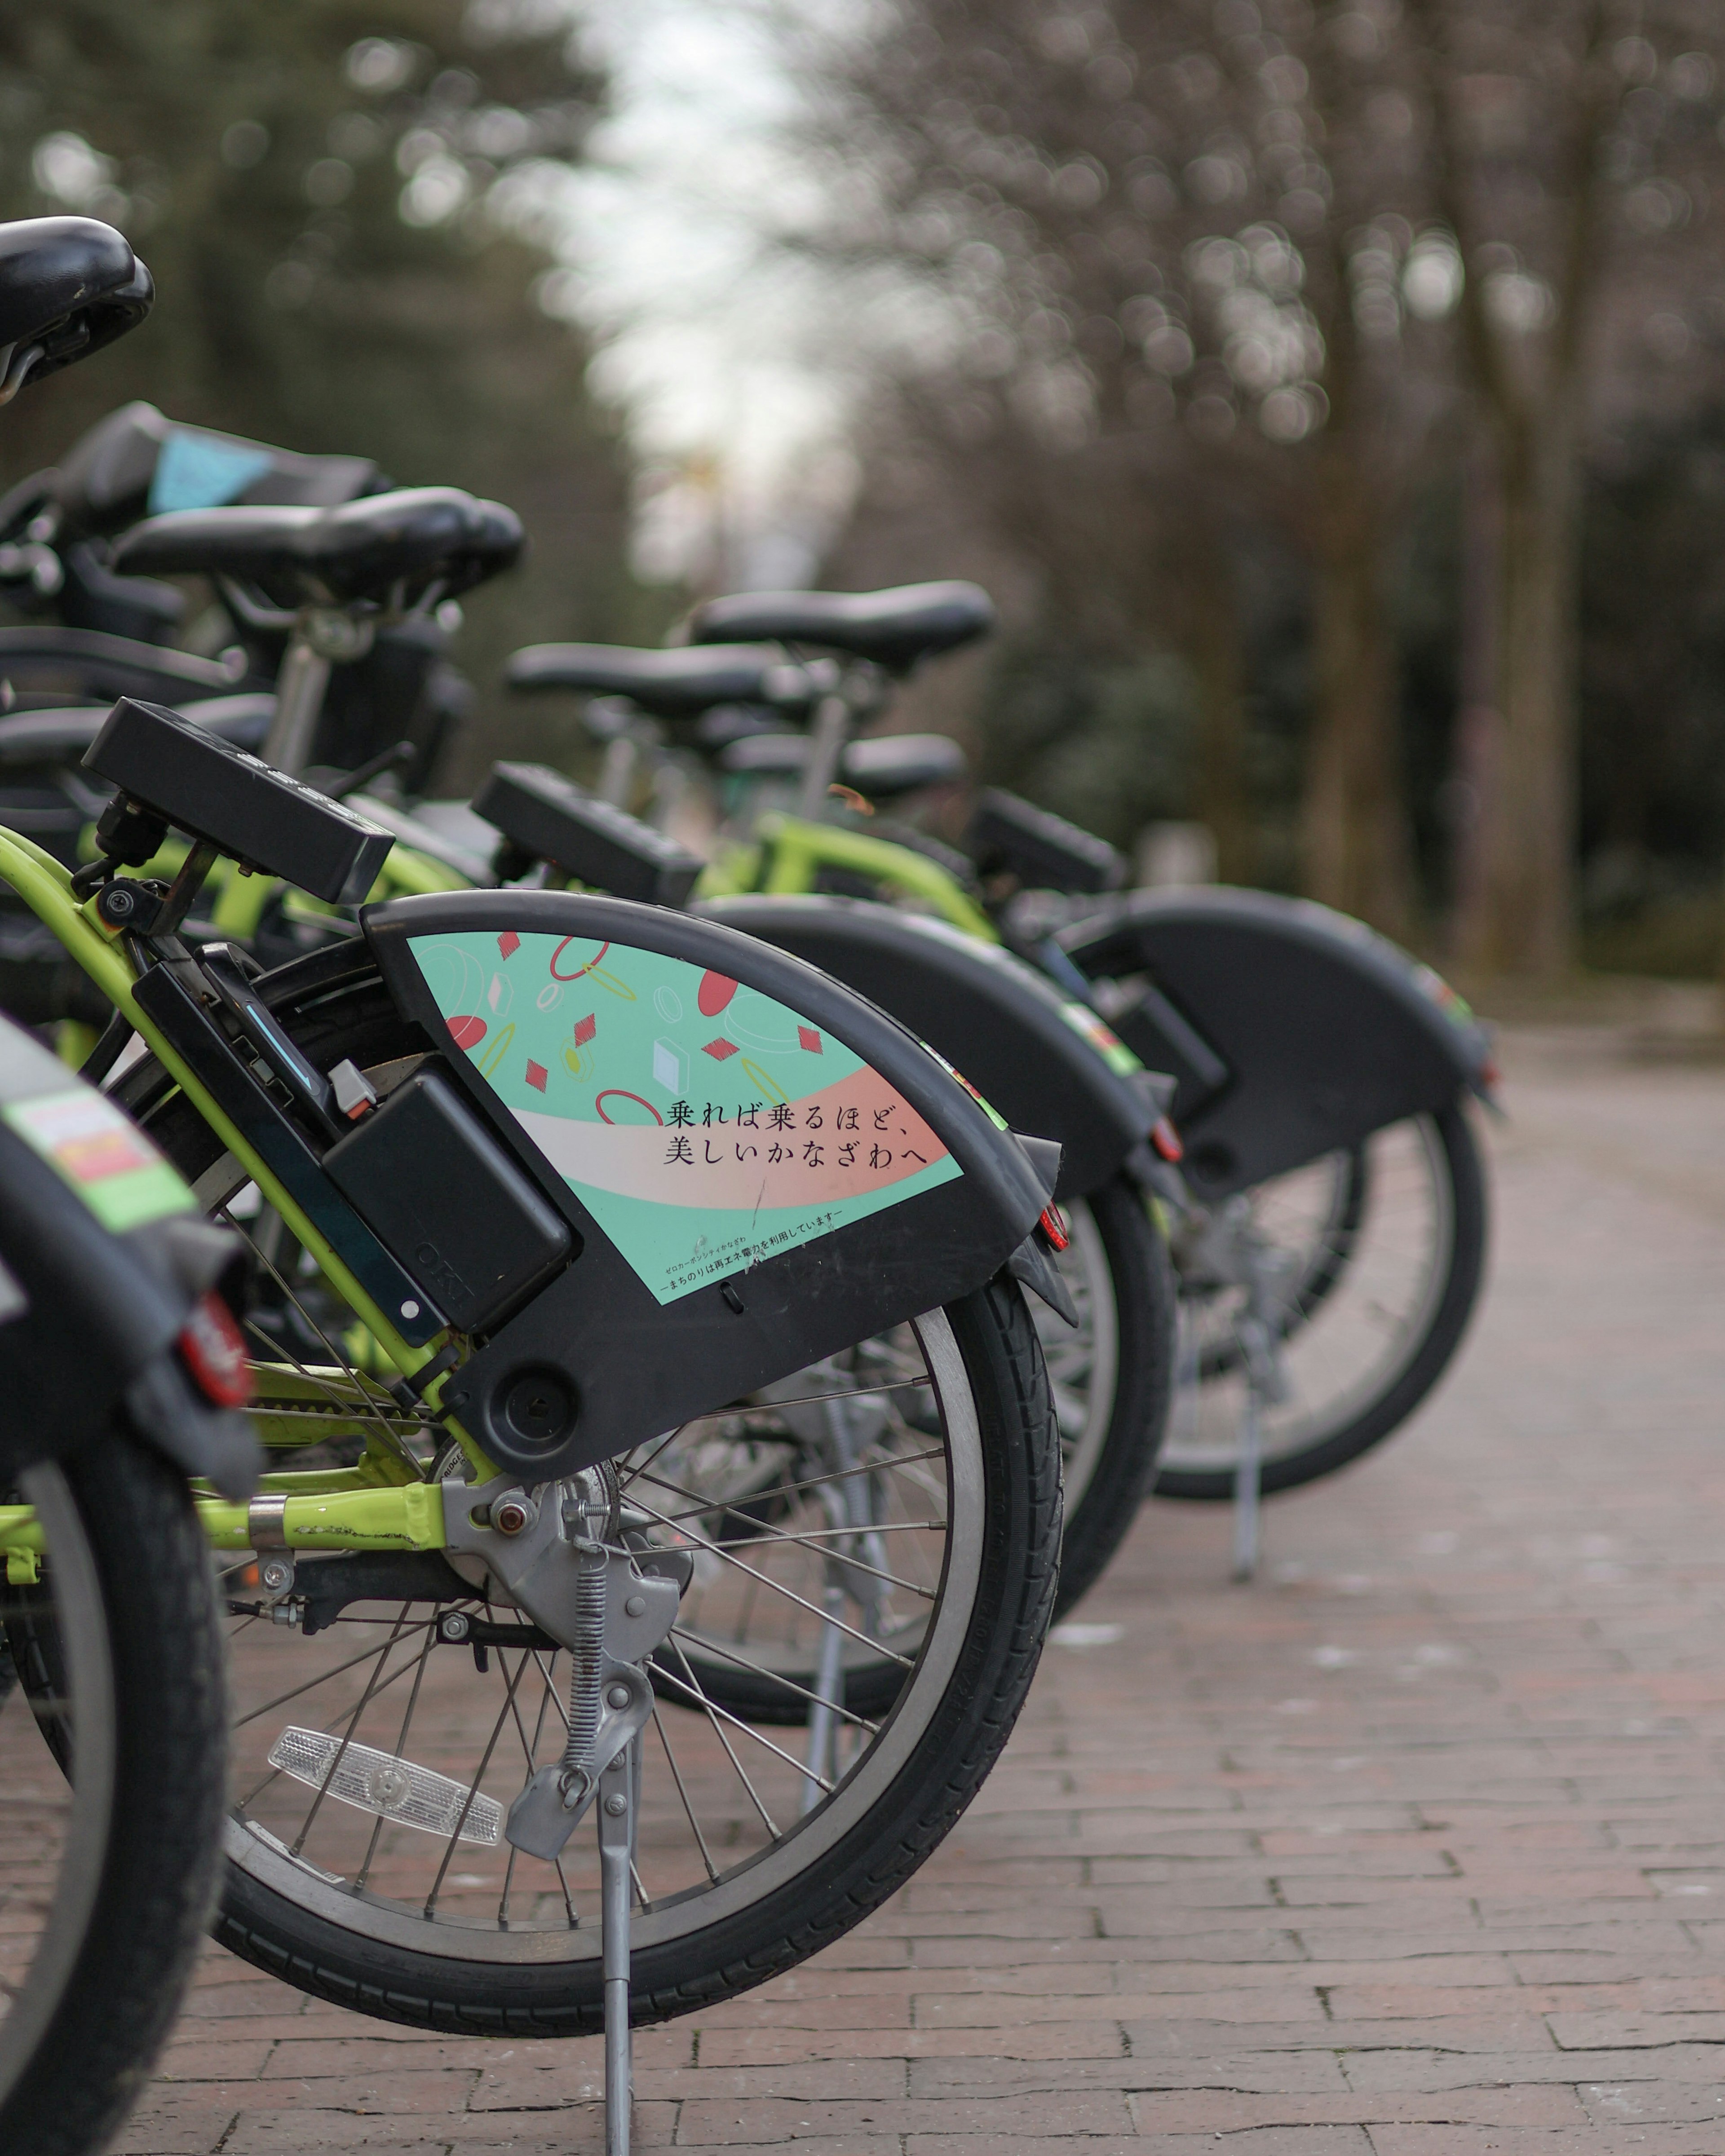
(1176, 239)
(345, 204)
(1575, 148)
(1196, 261)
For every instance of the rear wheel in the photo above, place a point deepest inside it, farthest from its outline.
(1379, 1252)
(919, 1558)
(109, 1841)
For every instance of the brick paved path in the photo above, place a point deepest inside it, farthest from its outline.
(1417, 1847)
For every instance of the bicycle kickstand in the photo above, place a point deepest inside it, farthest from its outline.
(620, 1792)
(1265, 1386)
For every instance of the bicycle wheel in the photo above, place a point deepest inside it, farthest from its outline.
(1380, 1253)
(1112, 1375)
(111, 1835)
(756, 1850)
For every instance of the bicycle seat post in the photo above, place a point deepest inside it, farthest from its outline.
(827, 739)
(322, 636)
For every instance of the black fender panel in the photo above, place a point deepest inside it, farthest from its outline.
(1294, 1030)
(630, 1339)
(1033, 1053)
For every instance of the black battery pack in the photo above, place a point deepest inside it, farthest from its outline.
(206, 787)
(1043, 851)
(446, 1198)
(548, 817)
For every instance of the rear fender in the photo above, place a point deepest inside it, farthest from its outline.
(1048, 1065)
(1294, 1030)
(758, 1167)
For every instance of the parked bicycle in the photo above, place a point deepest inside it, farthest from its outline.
(466, 1134)
(1330, 1247)
(120, 1370)
(1045, 1059)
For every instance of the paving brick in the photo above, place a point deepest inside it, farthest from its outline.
(1413, 1847)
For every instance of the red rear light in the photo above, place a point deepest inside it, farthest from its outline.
(1053, 1227)
(1166, 1139)
(213, 1351)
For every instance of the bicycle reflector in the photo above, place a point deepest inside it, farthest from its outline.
(211, 1349)
(379, 1783)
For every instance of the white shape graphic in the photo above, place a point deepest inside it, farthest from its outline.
(670, 1067)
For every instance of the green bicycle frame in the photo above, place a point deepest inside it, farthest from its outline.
(791, 851)
(379, 1504)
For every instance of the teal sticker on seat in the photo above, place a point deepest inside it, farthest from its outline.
(704, 1126)
(196, 470)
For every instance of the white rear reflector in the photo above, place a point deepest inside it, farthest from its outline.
(394, 1788)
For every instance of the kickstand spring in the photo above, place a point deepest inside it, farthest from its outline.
(618, 1787)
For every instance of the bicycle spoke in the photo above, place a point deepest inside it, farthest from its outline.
(348, 1734)
(322, 1677)
(706, 1706)
(891, 1465)
(747, 1728)
(670, 1760)
(802, 1602)
(707, 1645)
(510, 1684)
(400, 1748)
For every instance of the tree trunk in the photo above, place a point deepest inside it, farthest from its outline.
(1356, 850)
(1526, 926)
(1221, 798)
(1476, 749)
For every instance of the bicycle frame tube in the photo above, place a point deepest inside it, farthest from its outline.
(46, 888)
(408, 1518)
(796, 850)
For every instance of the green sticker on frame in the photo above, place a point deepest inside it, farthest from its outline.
(704, 1126)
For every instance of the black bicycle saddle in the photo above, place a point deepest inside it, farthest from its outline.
(883, 765)
(895, 628)
(407, 542)
(136, 462)
(68, 286)
(670, 684)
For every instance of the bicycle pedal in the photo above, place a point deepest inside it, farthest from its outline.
(374, 1781)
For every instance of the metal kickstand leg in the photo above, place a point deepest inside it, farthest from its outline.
(1248, 1475)
(618, 1787)
(1265, 1386)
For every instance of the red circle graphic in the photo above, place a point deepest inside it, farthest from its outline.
(467, 1032)
(715, 992)
(615, 1092)
(580, 970)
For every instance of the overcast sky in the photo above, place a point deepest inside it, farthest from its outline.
(716, 348)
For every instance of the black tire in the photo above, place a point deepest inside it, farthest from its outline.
(814, 1880)
(104, 2007)
(1365, 1424)
(1101, 1506)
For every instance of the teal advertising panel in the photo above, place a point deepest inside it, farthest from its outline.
(704, 1126)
